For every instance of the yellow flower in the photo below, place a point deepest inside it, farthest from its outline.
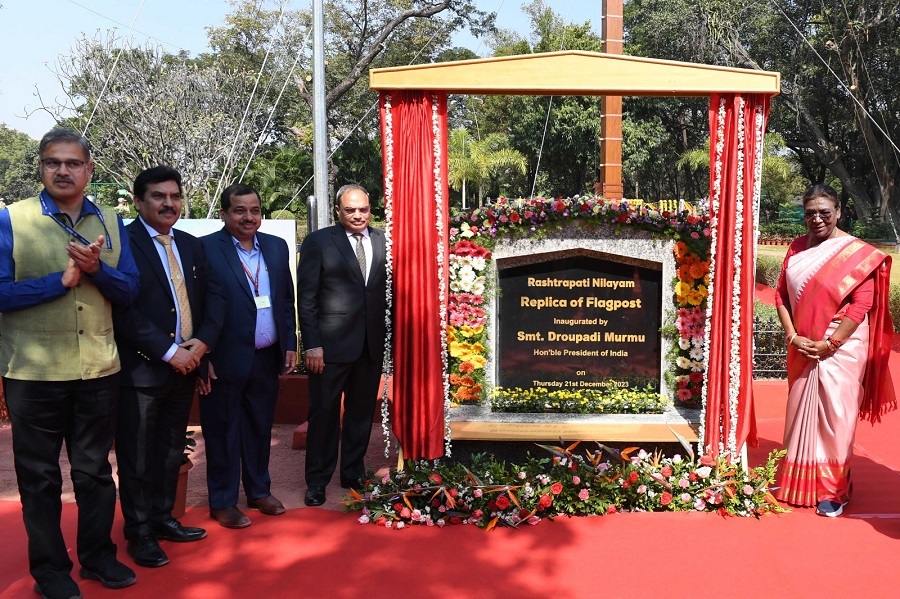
(476, 361)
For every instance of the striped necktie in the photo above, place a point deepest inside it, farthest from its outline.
(360, 254)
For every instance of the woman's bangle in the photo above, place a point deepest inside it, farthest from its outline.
(791, 338)
(833, 343)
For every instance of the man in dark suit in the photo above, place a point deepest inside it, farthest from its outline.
(163, 337)
(341, 282)
(258, 343)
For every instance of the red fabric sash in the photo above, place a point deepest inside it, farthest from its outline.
(821, 300)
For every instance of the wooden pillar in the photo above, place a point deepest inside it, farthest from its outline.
(610, 171)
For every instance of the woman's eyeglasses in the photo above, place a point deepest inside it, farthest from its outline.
(823, 215)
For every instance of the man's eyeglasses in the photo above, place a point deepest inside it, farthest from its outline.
(71, 165)
(823, 215)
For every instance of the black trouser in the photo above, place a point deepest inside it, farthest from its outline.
(357, 382)
(149, 450)
(83, 414)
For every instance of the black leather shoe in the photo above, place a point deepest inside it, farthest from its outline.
(314, 496)
(60, 588)
(172, 530)
(146, 552)
(113, 574)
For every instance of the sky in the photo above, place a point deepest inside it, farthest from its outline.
(37, 32)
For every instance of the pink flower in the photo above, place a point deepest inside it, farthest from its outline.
(576, 480)
(556, 488)
(642, 489)
(684, 483)
(477, 514)
(477, 492)
(363, 519)
(748, 490)
(584, 494)
(405, 513)
(666, 471)
(533, 520)
(665, 498)
(611, 509)
(686, 497)
(522, 475)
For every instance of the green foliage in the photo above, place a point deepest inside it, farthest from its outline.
(894, 304)
(479, 161)
(569, 482)
(612, 400)
(768, 269)
(872, 230)
(19, 178)
(764, 311)
(782, 229)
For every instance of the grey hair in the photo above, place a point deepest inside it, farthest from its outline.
(56, 136)
(344, 189)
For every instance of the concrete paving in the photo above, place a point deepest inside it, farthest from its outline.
(285, 466)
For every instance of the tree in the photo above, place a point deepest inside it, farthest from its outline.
(19, 176)
(564, 160)
(142, 107)
(360, 34)
(839, 66)
(479, 160)
(780, 182)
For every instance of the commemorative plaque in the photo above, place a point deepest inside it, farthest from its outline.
(583, 321)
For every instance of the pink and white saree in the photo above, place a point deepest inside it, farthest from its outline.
(828, 396)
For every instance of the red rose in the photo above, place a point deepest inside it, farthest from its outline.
(665, 498)
(666, 471)
(611, 509)
(435, 502)
(455, 520)
(626, 485)
(381, 521)
(492, 505)
(633, 477)
(721, 511)
(556, 488)
(398, 507)
(573, 466)
(435, 478)
(708, 460)
(523, 513)
(546, 500)
(514, 217)
(477, 514)
(454, 493)
(693, 477)
(502, 502)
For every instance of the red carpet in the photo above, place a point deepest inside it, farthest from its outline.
(318, 553)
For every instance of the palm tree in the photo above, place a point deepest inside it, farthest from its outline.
(480, 160)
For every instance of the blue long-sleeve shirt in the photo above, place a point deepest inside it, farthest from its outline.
(120, 285)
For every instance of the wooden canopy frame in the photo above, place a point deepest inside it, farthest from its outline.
(575, 73)
(413, 116)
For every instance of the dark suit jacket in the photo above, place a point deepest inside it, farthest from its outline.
(234, 352)
(338, 311)
(145, 330)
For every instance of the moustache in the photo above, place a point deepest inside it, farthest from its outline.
(63, 180)
(167, 211)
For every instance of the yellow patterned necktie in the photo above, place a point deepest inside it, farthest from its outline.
(184, 305)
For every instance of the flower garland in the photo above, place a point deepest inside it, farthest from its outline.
(437, 155)
(607, 481)
(715, 202)
(478, 229)
(388, 365)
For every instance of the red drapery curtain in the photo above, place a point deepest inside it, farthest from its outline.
(414, 144)
(737, 126)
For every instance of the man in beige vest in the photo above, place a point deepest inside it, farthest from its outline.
(64, 262)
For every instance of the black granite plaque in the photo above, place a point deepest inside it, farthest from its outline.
(578, 320)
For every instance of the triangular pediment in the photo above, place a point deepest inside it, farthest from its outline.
(575, 73)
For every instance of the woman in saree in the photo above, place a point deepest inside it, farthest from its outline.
(833, 304)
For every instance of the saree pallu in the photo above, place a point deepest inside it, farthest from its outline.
(828, 396)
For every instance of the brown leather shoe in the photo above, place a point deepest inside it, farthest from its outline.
(268, 505)
(230, 517)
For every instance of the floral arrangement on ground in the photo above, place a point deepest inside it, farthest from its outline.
(472, 235)
(488, 493)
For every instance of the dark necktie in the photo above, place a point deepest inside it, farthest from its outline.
(360, 254)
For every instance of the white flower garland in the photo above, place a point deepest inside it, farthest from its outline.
(734, 369)
(714, 230)
(437, 154)
(388, 364)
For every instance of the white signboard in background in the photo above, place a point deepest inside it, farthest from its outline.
(286, 229)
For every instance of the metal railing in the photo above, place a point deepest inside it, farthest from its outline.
(770, 353)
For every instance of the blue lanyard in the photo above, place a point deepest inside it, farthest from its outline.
(72, 231)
